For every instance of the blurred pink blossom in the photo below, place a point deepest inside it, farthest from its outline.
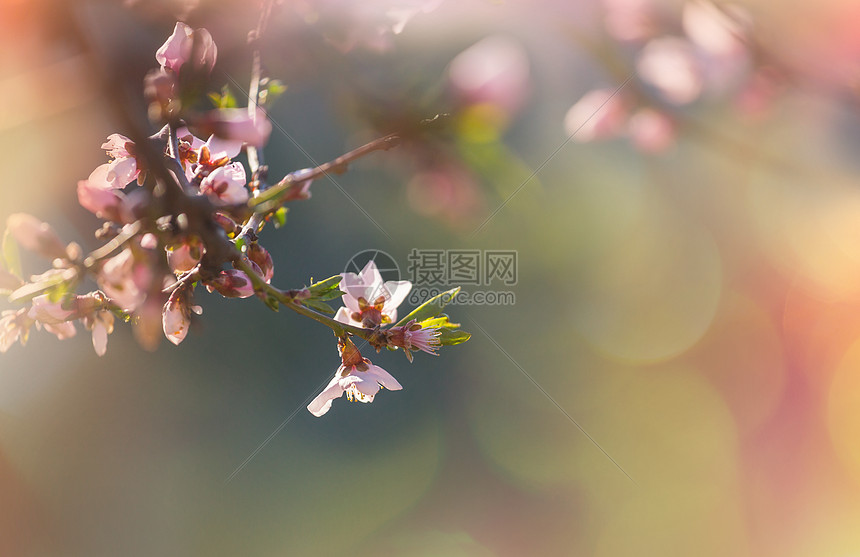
(651, 131)
(492, 71)
(599, 114)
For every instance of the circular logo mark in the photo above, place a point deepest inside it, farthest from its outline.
(386, 264)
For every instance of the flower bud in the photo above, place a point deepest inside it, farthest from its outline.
(231, 283)
(178, 49)
(261, 257)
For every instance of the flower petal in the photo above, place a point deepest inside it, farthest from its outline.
(383, 378)
(322, 403)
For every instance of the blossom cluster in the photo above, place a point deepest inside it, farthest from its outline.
(711, 59)
(178, 211)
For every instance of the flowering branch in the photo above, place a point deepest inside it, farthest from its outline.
(194, 221)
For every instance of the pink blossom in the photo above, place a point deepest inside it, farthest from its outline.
(35, 235)
(14, 326)
(599, 114)
(368, 301)
(220, 147)
(651, 131)
(61, 330)
(226, 184)
(358, 384)
(301, 186)
(124, 168)
(47, 312)
(97, 194)
(670, 65)
(124, 280)
(231, 283)
(237, 124)
(493, 71)
(177, 49)
(147, 322)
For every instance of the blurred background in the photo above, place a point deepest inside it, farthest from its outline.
(679, 373)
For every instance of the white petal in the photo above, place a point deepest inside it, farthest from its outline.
(383, 378)
(398, 289)
(322, 403)
(100, 338)
(370, 274)
(219, 147)
(343, 316)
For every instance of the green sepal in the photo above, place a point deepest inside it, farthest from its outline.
(430, 308)
(319, 306)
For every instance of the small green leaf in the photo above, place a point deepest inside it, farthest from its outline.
(449, 337)
(319, 306)
(240, 244)
(280, 217)
(430, 308)
(439, 322)
(317, 289)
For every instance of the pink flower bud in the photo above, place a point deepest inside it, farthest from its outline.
(35, 235)
(185, 256)
(599, 114)
(177, 49)
(176, 316)
(231, 283)
(261, 257)
(147, 324)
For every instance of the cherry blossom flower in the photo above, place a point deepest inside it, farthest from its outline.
(62, 330)
(124, 280)
(226, 184)
(124, 168)
(356, 377)
(493, 71)
(368, 301)
(45, 311)
(414, 337)
(358, 384)
(98, 195)
(177, 49)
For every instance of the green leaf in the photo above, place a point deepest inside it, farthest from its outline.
(224, 100)
(449, 337)
(317, 289)
(280, 217)
(430, 308)
(11, 255)
(439, 322)
(319, 306)
(47, 282)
